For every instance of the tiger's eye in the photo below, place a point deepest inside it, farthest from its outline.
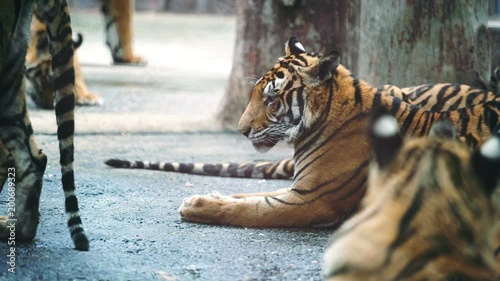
(270, 99)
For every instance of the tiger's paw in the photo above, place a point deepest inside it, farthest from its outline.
(87, 99)
(130, 61)
(207, 209)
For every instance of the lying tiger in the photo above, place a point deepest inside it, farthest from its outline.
(22, 162)
(434, 97)
(427, 214)
(316, 104)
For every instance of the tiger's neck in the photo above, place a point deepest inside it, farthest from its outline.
(346, 101)
(333, 154)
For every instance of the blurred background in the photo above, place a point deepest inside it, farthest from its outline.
(188, 48)
(173, 6)
(205, 54)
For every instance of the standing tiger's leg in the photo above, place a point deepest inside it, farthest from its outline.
(118, 16)
(57, 19)
(26, 173)
(6, 162)
(27, 165)
(82, 93)
(38, 64)
(20, 157)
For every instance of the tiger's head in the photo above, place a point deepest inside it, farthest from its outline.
(282, 101)
(39, 83)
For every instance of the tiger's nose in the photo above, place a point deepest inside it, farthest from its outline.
(244, 126)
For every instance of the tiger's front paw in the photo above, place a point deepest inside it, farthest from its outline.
(209, 209)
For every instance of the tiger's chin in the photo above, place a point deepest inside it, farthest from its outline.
(264, 146)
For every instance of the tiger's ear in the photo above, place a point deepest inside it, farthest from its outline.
(321, 71)
(328, 65)
(385, 137)
(486, 164)
(443, 128)
(294, 47)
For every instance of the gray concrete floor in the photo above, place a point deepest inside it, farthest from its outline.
(164, 111)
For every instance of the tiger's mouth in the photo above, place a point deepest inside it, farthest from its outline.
(265, 138)
(265, 145)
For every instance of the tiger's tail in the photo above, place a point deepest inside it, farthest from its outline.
(283, 169)
(78, 42)
(58, 21)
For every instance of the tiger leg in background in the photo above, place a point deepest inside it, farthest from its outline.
(118, 16)
(38, 74)
(20, 157)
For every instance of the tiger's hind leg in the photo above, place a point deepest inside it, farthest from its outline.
(6, 162)
(20, 156)
(38, 71)
(25, 167)
(118, 17)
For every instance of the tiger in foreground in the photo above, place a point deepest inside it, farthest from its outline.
(316, 104)
(433, 97)
(428, 213)
(22, 162)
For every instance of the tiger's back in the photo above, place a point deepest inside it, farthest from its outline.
(445, 96)
(427, 215)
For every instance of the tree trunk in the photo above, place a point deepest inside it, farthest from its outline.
(415, 42)
(263, 27)
(494, 31)
(383, 41)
